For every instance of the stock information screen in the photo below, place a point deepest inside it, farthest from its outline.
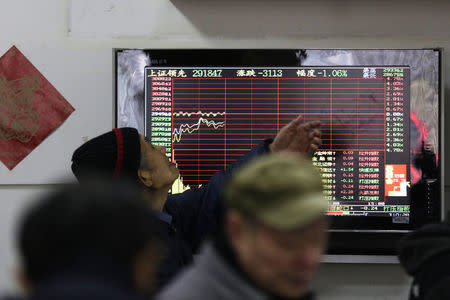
(209, 117)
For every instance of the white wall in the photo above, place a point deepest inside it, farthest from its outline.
(80, 65)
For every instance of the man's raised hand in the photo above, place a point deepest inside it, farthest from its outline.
(298, 136)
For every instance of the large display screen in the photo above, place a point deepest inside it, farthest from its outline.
(380, 113)
(208, 117)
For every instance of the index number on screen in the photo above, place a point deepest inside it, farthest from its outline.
(207, 73)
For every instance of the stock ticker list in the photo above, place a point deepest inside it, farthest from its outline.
(209, 117)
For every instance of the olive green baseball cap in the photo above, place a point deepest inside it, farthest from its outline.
(283, 191)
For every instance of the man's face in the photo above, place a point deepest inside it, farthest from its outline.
(281, 262)
(154, 159)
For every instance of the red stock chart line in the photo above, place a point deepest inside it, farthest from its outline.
(216, 121)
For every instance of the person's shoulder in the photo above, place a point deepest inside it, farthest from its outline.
(175, 201)
(190, 284)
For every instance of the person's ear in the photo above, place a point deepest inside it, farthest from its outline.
(145, 176)
(23, 282)
(234, 225)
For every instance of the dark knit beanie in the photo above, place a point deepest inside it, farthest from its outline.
(116, 153)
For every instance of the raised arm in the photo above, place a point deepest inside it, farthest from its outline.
(200, 209)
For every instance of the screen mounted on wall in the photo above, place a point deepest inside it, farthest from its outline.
(379, 111)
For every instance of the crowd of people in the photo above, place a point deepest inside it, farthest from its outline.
(256, 230)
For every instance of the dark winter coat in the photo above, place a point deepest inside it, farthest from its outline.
(193, 215)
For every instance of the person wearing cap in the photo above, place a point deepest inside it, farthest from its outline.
(273, 235)
(185, 219)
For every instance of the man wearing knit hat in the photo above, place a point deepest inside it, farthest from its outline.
(272, 239)
(185, 219)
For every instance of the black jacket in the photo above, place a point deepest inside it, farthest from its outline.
(425, 255)
(194, 215)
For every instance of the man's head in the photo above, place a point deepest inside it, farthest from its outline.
(275, 222)
(95, 229)
(124, 153)
(155, 171)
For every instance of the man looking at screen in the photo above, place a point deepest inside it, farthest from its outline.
(185, 219)
(272, 239)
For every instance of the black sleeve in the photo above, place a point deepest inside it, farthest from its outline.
(198, 211)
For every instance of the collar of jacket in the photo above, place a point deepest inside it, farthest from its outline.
(163, 216)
